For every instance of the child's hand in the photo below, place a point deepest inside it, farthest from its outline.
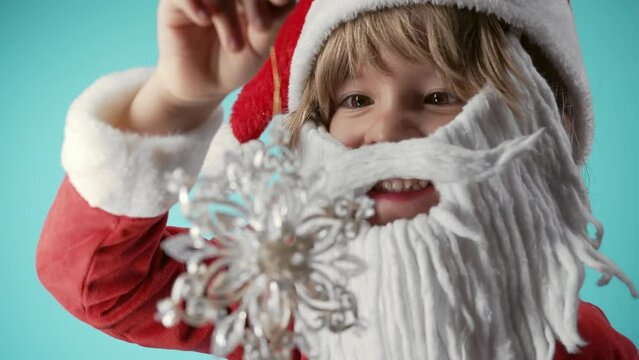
(210, 47)
(207, 49)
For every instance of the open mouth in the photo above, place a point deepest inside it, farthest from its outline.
(402, 199)
(404, 190)
(401, 185)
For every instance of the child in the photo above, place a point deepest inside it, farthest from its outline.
(476, 250)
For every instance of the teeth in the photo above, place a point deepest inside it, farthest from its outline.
(399, 185)
(408, 184)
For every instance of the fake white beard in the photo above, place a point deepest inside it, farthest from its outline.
(494, 270)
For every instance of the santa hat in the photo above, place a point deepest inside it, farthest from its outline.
(278, 86)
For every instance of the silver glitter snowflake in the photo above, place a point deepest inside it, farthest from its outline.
(278, 265)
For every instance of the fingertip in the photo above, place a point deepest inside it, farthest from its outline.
(261, 23)
(203, 18)
(234, 44)
(258, 14)
(230, 35)
(281, 2)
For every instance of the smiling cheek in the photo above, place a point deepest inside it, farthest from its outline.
(347, 135)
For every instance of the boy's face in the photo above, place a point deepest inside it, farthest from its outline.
(408, 100)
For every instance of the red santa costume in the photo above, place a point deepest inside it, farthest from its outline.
(454, 284)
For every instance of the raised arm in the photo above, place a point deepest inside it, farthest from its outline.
(99, 250)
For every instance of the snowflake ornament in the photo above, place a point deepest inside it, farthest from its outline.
(278, 265)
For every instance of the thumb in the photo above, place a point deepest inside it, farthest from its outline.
(263, 14)
(261, 38)
(281, 3)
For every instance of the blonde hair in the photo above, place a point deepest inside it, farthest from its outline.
(467, 48)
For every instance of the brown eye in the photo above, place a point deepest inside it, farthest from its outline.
(357, 101)
(440, 98)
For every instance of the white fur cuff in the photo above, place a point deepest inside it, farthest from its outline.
(121, 172)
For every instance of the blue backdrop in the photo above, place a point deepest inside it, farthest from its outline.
(51, 50)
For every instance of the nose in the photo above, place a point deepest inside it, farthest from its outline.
(392, 123)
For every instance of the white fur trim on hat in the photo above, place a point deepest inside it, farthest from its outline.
(548, 23)
(121, 172)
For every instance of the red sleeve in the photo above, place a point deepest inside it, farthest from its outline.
(109, 272)
(603, 342)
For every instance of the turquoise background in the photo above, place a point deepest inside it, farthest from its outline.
(51, 50)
